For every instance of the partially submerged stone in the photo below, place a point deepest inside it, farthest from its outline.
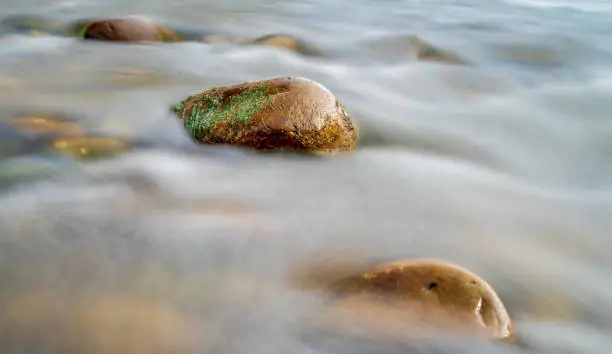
(284, 42)
(419, 299)
(129, 29)
(424, 51)
(291, 114)
(90, 147)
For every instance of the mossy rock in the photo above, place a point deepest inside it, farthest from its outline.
(289, 114)
(129, 29)
(420, 299)
(94, 325)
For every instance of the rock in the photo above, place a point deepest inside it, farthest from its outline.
(89, 147)
(424, 51)
(420, 299)
(284, 42)
(95, 325)
(129, 29)
(290, 114)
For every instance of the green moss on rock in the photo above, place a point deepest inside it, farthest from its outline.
(209, 109)
(282, 114)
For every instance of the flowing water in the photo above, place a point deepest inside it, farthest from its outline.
(503, 166)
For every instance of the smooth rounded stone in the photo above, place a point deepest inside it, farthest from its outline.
(95, 325)
(288, 114)
(284, 42)
(129, 29)
(90, 147)
(419, 299)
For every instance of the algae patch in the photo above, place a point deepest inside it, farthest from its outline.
(213, 107)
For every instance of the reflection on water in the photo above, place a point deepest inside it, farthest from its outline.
(500, 166)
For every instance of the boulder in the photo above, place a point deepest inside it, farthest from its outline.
(290, 114)
(419, 299)
(129, 29)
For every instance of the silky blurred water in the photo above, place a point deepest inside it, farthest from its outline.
(503, 166)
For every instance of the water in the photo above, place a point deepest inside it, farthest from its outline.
(501, 166)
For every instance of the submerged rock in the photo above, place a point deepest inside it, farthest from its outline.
(284, 42)
(89, 147)
(129, 29)
(420, 299)
(291, 114)
(424, 51)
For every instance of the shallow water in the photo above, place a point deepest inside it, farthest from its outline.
(501, 166)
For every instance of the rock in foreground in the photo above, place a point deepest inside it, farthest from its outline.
(129, 29)
(290, 114)
(420, 299)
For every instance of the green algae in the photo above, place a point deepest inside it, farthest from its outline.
(210, 110)
(77, 28)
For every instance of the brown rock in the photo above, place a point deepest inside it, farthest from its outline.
(129, 29)
(284, 42)
(291, 114)
(420, 299)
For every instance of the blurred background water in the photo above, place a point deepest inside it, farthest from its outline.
(503, 166)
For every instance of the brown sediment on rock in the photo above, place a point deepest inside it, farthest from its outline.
(420, 299)
(129, 29)
(290, 114)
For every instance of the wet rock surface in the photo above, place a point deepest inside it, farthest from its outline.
(420, 299)
(288, 114)
(129, 29)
